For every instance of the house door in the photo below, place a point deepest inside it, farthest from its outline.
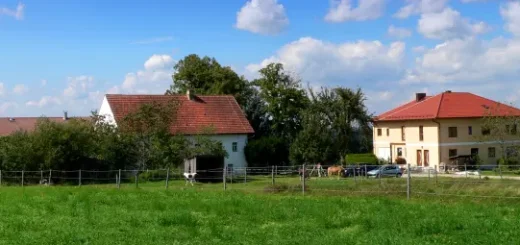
(426, 158)
(419, 158)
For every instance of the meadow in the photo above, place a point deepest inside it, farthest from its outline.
(256, 213)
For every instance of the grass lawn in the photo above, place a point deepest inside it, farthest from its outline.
(92, 215)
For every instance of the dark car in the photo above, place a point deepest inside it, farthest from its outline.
(359, 169)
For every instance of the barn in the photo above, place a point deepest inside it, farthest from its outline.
(194, 113)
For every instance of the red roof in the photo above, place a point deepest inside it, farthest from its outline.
(9, 125)
(220, 112)
(448, 105)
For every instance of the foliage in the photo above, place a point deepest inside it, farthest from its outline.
(266, 151)
(330, 122)
(284, 100)
(206, 76)
(369, 158)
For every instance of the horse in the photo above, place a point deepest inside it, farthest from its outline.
(334, 170)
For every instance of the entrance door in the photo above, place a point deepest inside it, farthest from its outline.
(426, 158)
(419, 158)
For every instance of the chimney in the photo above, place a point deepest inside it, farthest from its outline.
(448, 91)
(420, 96)
(65, 116)
(190, 94)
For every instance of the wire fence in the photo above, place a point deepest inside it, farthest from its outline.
(501, 182)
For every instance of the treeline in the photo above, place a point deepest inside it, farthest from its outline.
(142, 141)
(293, 124)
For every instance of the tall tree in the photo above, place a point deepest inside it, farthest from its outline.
(284, 100)
(206, 76)
(340, 114)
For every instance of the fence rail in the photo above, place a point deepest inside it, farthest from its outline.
(398, 180)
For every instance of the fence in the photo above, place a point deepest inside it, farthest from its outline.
(395, 180)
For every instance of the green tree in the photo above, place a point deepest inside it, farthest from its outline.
(337, 121)
(266, 151)
(206, 76)
(284, 100)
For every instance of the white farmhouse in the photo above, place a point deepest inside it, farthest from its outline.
(194, 113)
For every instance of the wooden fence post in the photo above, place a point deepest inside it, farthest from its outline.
(224, 177)
(167, 177)
(303, 179)
(408, 184)
(50, 176)
(22, 177)
(79, 178)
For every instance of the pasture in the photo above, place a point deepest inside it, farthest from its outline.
(331, 212)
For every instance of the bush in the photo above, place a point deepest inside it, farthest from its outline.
(369, 158)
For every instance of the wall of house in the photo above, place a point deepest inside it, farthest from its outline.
(437, 141)
(412, 145)
(465, 140)
(236, 158)
(106, 111)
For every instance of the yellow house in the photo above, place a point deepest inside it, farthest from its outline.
(430, 130)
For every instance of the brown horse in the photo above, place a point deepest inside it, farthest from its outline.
(334, 170)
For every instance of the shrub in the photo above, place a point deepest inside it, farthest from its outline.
(369, 158)
(400, 161)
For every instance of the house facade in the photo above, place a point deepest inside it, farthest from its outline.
(220, 113)
(431, 130)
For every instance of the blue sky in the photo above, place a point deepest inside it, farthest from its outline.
(65, 55)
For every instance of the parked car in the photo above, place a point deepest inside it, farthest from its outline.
(386, 171)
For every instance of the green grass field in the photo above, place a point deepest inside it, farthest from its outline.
(252, 214)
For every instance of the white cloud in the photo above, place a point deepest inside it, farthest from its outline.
(158, 62)
(2, 89)
(262, 16)
(398, 32)
(470, 61)
(325, 63)
(154, 40)
(78, 86)
(511, 14)
(17, 13)
(419, 49)
(448, 24)
(4, 107)
(471, 1)
(155, 77)
(43, 82)
(343, 10)
(415, 7)
(44, 101)
(20, 89)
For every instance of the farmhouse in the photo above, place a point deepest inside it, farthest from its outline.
(10, 125)
(194, 114)
(431, 131)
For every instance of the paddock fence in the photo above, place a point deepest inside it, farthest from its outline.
(500, 182)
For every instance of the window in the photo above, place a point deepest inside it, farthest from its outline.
(486, 131)
(234, 146)
(399, 152)
(491, 152)
(452, 132)
(511, 151)
(379, 132)
(387, 132)
(474, 151)
(453, 152)
(403, 136)
(508, 129)
(513, 129)
(421, 135)
(470, 130)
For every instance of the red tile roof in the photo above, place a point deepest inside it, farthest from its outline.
(220, 112)
(448, 105)
(28, 124)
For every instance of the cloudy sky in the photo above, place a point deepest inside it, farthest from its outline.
(65, 55)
